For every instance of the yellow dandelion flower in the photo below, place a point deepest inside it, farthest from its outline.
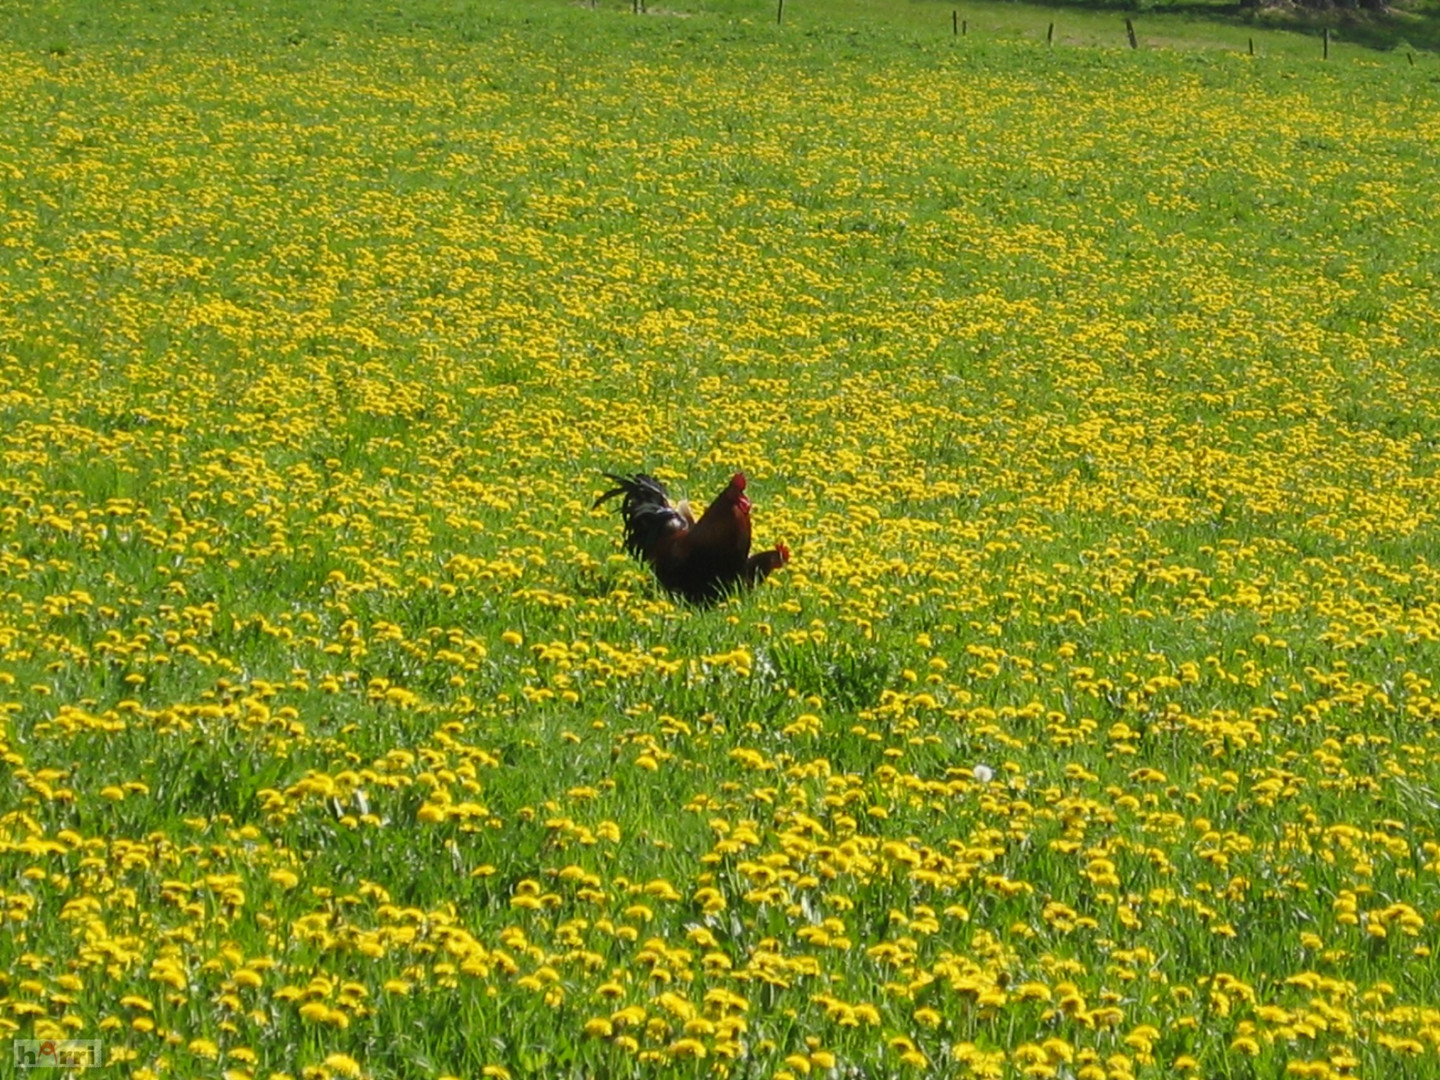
(343, 1064)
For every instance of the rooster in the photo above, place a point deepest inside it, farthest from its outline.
(698, 560)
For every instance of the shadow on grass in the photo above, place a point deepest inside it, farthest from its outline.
(1414, 25)
(1394, 30)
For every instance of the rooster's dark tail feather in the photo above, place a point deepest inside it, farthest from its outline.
(647, 512)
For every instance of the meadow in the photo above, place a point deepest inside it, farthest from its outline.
(1091, 732)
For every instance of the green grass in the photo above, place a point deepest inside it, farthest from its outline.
(1091, 731)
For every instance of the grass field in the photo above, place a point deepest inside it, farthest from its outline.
(1092, 732)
